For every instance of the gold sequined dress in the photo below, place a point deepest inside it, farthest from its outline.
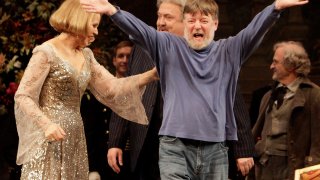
(50, 92)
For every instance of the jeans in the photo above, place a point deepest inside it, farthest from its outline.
(191, 159)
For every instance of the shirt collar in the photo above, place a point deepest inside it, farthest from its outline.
(293, 86)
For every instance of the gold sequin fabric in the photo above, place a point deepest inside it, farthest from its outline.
(50, 92)
(59, 100)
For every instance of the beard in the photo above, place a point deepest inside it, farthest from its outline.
(198, 45)
(279, 75)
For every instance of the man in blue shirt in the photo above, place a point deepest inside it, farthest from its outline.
(143, 148)
(198, 78)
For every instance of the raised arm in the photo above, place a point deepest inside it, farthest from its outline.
(149, 76)
(98, 6)
(249, 39)
(140, 33)
(283, 4)
(122, 95)
(104, 7)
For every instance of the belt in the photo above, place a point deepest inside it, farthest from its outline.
(194, 142)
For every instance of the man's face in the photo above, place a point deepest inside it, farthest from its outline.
(170, 18)
(120, 61)
(280, 73)
(199, 29)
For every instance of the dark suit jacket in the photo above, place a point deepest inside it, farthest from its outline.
(94, 116)
(303, 131)
(244, 147)
(139, 62)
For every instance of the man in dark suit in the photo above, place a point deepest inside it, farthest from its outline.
(241, 152)
(143, 140)
(96, 118)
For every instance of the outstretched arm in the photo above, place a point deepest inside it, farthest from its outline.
(98, 6)
(282, 4)
(148, 77)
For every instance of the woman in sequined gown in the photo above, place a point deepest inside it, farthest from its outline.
(47, 104)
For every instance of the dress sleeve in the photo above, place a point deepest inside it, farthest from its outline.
(122, 95)
(31, 122)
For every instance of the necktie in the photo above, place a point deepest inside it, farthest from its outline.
(279, 95)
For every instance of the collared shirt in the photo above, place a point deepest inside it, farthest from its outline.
(292, 88)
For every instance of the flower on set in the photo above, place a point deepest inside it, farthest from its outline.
(11, 90)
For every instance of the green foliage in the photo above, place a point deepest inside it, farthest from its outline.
(24, 24)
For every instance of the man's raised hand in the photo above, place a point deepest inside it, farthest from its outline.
(282, 4)
(98, 6)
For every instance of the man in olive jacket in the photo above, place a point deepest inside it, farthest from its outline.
(287, 129)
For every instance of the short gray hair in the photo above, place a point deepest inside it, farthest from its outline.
(295, 57)
(180, 3)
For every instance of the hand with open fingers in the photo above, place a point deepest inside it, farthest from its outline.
(98, 6)
(115, 159)
(54, 132)
(282, 4)
(244, 165)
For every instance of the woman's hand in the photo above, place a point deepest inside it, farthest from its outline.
(54, 132)
(149, 76)
(154, 74)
